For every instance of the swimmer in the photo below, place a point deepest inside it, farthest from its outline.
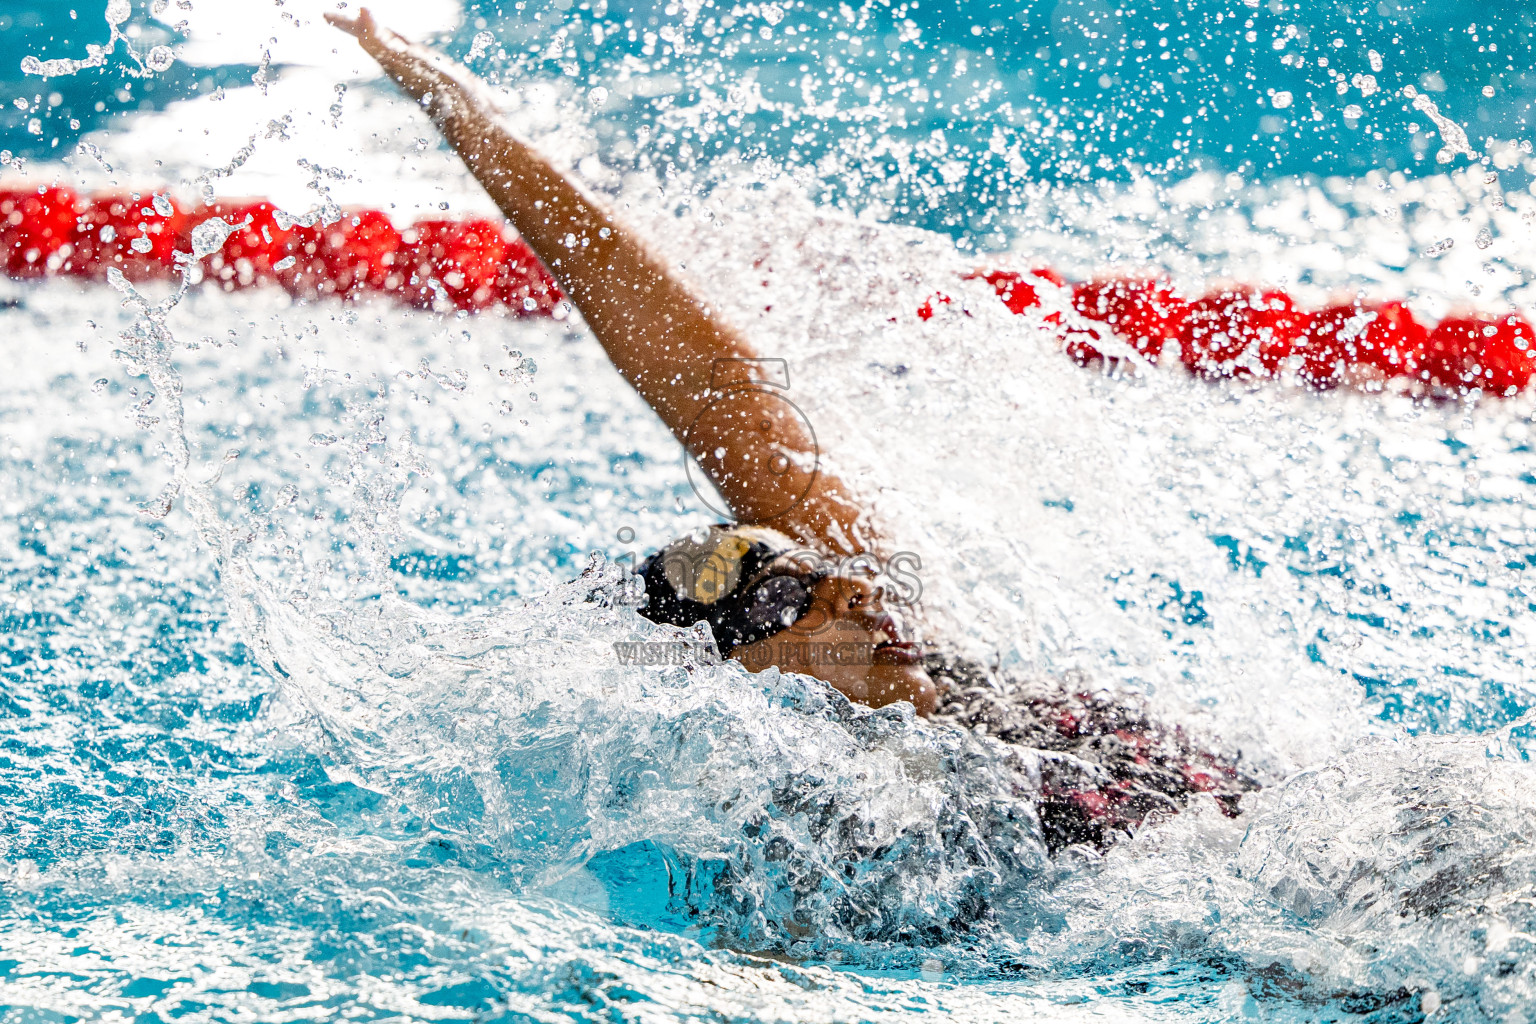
(769, 585)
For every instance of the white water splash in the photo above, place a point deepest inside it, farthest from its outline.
(158, 60)
(452, 715)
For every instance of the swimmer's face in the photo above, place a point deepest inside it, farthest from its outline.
(850, 640)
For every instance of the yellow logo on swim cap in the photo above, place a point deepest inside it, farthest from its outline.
(721, 570)
(705, 567)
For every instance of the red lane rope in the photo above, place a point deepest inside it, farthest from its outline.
(474, 264)
(1238, 332)
(1245, 332)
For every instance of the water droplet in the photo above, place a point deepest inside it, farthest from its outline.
(321, 440)
(99, 385)
(141, 244)
(160, 59)
(1484, 238)
(118, 11)
(159, 508)
(209, 236)
(479, 45)
(163, 206)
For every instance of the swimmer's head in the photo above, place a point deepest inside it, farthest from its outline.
(744, 581)
(768, 601)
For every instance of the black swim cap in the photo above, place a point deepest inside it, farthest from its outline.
(733, 577)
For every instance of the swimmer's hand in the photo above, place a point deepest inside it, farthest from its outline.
(417, 70)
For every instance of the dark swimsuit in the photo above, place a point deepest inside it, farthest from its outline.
(1106, 765)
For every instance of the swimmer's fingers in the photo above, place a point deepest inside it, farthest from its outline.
(360, 27)
(377, 40)
(408, 64)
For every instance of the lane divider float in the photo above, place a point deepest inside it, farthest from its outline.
(465, 264)
(1242, 332)
(1231, 333)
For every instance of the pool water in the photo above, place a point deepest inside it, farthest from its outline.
(310, 702)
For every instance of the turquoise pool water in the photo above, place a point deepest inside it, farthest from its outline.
(338, 736)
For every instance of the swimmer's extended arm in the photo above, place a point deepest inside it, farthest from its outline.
(663, 338)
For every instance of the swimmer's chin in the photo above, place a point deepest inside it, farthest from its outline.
(891, 683)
